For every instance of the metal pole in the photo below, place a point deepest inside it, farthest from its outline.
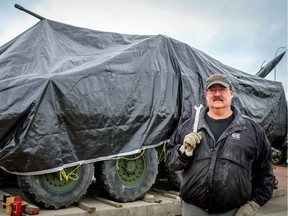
(275, 65)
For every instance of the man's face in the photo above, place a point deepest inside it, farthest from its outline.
(219, 97)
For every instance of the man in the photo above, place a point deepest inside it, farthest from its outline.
(227, 166)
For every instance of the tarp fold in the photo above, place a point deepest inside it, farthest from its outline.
(71, 95)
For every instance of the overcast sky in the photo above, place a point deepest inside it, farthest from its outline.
(243, 34)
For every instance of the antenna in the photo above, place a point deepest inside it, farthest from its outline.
(29, 12)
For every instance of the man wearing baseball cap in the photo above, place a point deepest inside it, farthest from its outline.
(226, 163)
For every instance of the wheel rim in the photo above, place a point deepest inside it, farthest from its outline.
(276, 157)
(276, 160)
(131, 170)
(53, 182)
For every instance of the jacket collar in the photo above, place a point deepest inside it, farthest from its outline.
(238, 122)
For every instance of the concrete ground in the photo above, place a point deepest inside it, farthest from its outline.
(281, 173)
(277, 206)
(159, 201)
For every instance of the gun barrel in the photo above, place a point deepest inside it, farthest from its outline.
(264, 71)
(29, 12)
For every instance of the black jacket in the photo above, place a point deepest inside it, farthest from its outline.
(224, 175)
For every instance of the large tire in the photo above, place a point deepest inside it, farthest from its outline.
(278, 156)
(50, 192)
(134, 176)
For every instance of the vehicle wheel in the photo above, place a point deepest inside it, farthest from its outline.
(277, 156)
(51, 192)
(128, 178)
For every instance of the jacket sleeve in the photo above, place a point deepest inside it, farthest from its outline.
(263, 177)
(175, 160)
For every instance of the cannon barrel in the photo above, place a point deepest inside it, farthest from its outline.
(28, 11)
(264, 71)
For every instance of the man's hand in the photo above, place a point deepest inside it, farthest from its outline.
(248, 209)
(190, 142)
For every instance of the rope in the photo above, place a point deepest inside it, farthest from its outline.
(162, 155)
(72, 175)
(129, 158)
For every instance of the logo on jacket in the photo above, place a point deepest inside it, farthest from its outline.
(236, 136)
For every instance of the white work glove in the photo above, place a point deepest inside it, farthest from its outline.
(248, 209)
(190, 142)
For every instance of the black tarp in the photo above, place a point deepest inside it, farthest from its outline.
(71, 95)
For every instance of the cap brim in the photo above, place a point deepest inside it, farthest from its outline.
(218, 82)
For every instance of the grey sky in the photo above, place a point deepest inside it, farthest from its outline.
(239, 33)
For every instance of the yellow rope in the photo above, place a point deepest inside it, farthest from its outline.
(129, 158)
(72, 175)
(162, 155)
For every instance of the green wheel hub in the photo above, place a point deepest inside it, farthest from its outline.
(53, 182)
(131, 170)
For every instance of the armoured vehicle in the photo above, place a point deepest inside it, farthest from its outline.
(78, 103)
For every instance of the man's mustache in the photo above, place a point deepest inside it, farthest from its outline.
(217, 98)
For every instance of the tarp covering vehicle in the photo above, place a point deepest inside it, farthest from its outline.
(72, 95)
